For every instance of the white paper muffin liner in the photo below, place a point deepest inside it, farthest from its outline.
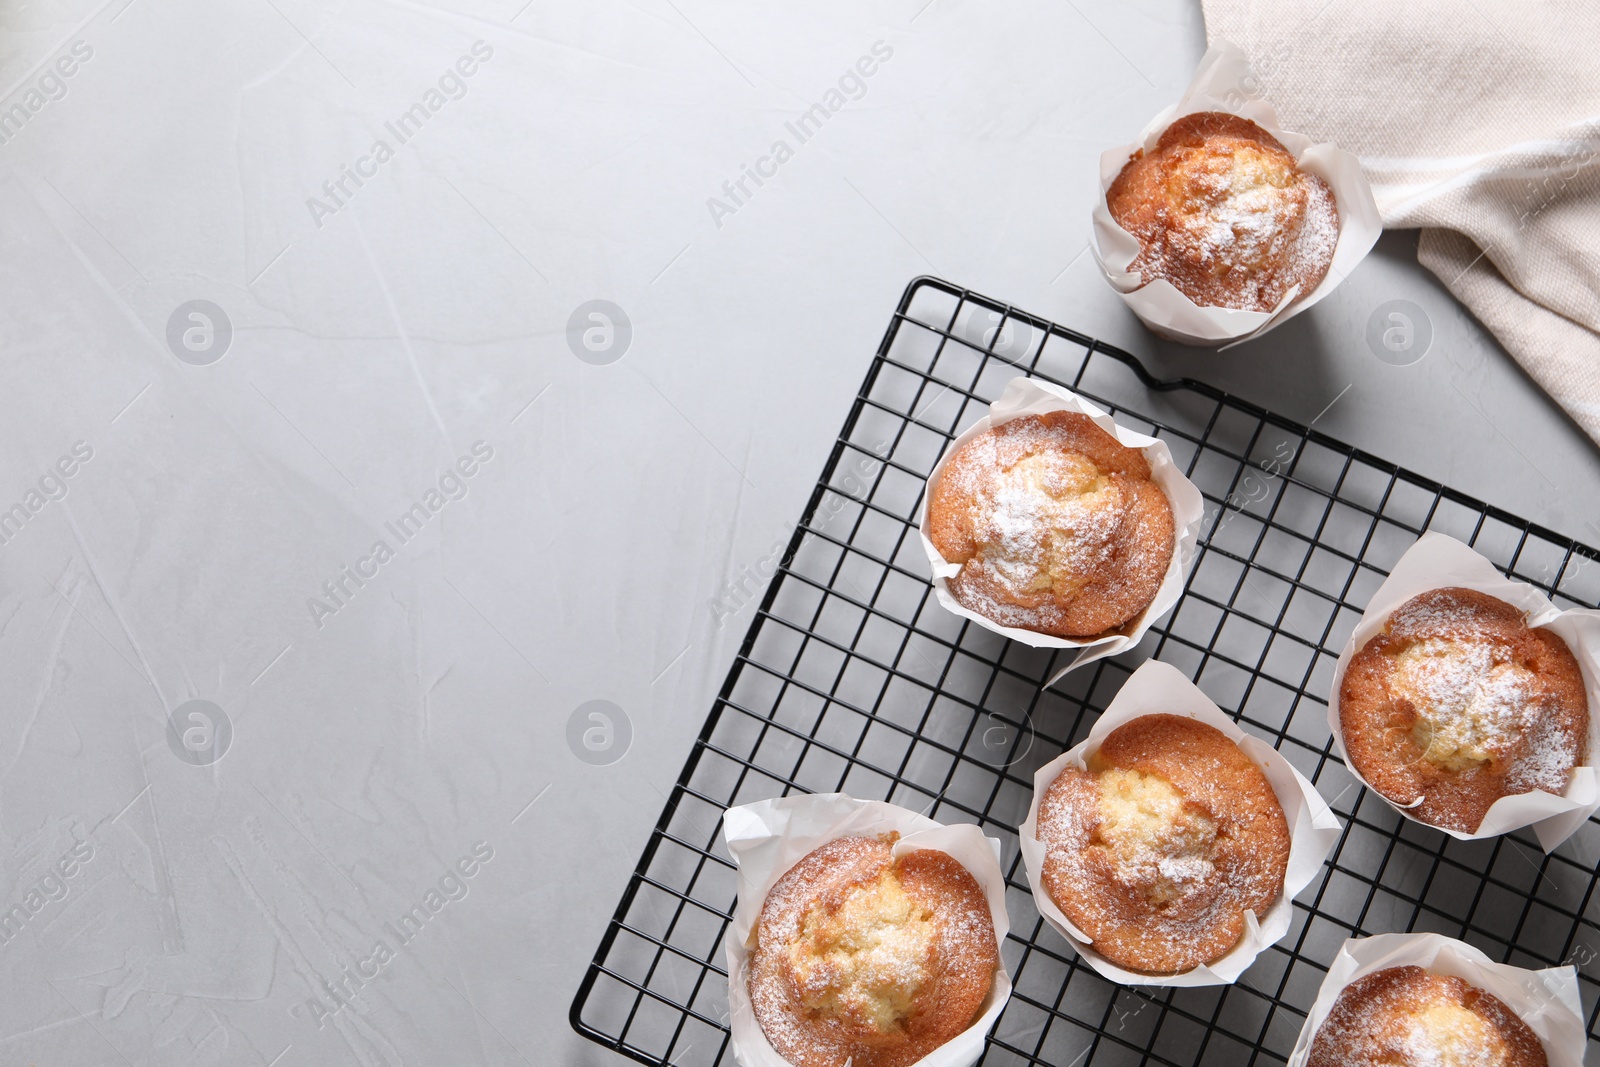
(1157, 688)
(770, 836)
(1437, 561)
(1030, 396)
(1224, 81)
(1548, 1000)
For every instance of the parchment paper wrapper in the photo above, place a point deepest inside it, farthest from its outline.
(1313, 828)
(1030, 396)
(1547, 1000)
(1437, 561)
(770, 836)
(1224, 81)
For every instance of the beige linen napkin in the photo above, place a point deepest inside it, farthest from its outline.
(1477, 121)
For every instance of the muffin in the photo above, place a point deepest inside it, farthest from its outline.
(1161, 845)
(1221, 210)
(862, 958)
(1056, 525)
(1408, 1017)
(1457, 702)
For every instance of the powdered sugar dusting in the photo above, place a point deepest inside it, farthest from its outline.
(1157, 843)
(1477, 703)
(1473, 705)
(1163, 865)
(1446, 1035)
(1407, 1017)
(1222, 211)
(1132, 859)
(868, 961)
(1252, 233)
(1233, 224)
(844, 949)
(1319, 231)
(1046, 522)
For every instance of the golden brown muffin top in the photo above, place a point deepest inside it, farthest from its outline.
(1409, 1017)
(1222, 211)
(1057, 525)
(863, 957)
(1161, 845)
(1456, 703)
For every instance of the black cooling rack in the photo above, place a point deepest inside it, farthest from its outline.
(853, 678)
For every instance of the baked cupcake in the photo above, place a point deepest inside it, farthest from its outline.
(1221, 210)
(1457, 702)
(860, 957)
(1409, 1017)
(1056, 525)
(1158, 848)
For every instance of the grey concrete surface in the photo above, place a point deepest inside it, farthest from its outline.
(390, 335)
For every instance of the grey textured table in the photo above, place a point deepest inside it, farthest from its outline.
(385, 358)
